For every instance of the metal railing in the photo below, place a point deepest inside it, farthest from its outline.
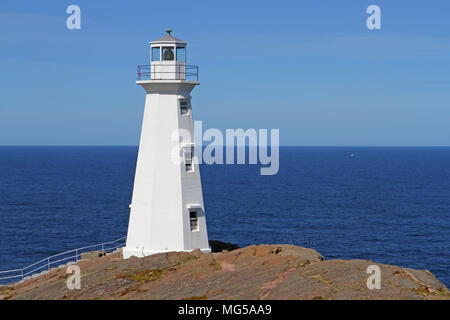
(58, 260)
(167, 72)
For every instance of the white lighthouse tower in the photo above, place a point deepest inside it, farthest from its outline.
(167, 211)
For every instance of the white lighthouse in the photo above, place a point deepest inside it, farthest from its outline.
(167, 211)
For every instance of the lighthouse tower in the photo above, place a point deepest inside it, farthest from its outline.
(167, 211)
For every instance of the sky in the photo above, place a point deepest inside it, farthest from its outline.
(311, 69)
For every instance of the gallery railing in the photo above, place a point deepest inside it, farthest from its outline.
(58, 260)
(167, 72)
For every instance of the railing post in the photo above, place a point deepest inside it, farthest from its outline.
(21, 273)
(103, 248)
(76, 255)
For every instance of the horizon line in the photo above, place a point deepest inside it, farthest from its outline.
(287, 145)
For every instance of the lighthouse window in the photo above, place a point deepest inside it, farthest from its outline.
(184, 107)
(156, 54)
(181, 54)
(168, 54)
(194, 220)
(188, 155)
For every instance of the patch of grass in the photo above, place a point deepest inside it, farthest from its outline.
(427, 291)
(144, 275)
(189, 259)
(6, 295)
(318, 298)
(196, 298)
(303, 264)
(443, 292)
(324, 280)
(111, 268)
(86, 273)
(421, 290)
(216, 265)
(6, 289)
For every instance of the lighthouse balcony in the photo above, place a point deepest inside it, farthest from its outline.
(164, 71)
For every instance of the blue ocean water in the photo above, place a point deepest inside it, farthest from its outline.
(390, 205)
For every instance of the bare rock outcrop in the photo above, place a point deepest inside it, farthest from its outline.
(254, 272)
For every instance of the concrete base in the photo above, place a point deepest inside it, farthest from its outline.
(128, 253)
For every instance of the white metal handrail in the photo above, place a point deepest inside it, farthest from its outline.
(47, 263)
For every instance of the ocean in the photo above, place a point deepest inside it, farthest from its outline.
(387, 204)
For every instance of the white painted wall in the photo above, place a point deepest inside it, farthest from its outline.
(163, 190)
(168, 70)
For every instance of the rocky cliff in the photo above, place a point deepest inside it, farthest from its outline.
(254, 272)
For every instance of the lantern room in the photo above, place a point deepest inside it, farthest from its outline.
(168, 58)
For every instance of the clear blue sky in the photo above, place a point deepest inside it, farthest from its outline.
(310, 68)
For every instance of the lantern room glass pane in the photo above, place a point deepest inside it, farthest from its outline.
(168, 54)
(181, 54)
(156, 54)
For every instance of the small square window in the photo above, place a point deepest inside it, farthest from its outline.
(188, 156)
(184, 107)
(193, 217)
